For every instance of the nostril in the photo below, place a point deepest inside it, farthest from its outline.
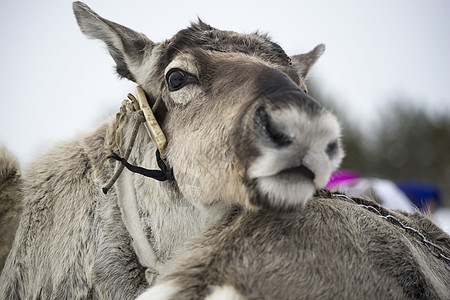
(265, 127)
(332, 148)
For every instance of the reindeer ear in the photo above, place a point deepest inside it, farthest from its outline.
(304, 62)
(126, 46)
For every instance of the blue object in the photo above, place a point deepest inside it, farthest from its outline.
(420, 193)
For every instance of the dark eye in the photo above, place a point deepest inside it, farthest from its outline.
(177, 78)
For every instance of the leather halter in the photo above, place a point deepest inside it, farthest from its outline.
(127, 202)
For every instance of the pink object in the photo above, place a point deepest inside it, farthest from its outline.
(343, 177)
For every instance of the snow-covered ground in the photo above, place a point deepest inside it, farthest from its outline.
(442, 218)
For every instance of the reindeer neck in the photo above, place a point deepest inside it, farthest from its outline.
(155, 214)
(159, 221)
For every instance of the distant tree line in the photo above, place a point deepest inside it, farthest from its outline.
(407, 144)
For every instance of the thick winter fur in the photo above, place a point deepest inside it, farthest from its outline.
(10, 201)
(73, 241)
(331, 249)
(241, 133)
(212, 125)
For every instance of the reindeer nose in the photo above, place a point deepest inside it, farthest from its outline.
(269, 132)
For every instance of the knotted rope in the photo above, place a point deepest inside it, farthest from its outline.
(116, 146)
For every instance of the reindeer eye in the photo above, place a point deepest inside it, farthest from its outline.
(177, 78)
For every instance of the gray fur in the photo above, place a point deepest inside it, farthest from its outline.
(70, 235)
(10, 201)
(331, 249)
(72, 241)
(303, 61)
(234, 140)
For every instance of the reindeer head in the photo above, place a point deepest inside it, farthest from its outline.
(239, 124)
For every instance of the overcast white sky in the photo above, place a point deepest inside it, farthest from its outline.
(55, 83)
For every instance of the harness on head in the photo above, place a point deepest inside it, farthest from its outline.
(142, 113)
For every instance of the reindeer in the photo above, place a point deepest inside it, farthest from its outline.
(10, 201)
(336, 247)
(241, 132)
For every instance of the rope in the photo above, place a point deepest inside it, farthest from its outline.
(139, 116)
(116, 146)
(383, 213)
(144, 250)
(121, 120)
(160, 175)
